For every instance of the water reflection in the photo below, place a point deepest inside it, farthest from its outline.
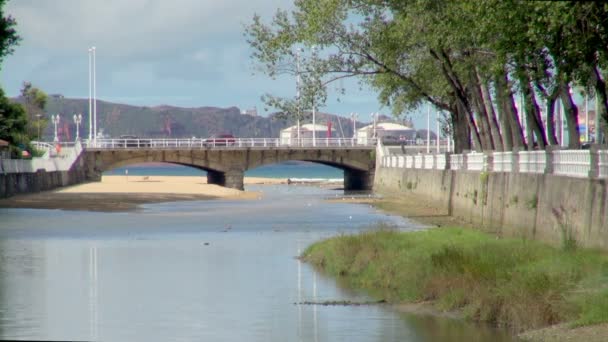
(208, 270)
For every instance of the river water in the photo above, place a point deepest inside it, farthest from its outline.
(201, 270)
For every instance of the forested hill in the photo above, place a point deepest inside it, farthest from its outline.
(172, 122)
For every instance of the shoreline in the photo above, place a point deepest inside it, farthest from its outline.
(423, 212)
(116, 193)
(121, 193)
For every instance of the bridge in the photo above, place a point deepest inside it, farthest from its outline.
(227, 160)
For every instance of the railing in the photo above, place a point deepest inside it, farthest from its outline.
(533, 161)
(228, 143)
(61, 159)
(571, 163)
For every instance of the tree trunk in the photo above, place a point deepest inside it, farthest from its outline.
(533, 119)
(502, 114)
(517, 135)
(481, 117)
(461, 133)
(602, 96)
(494, 128)
(551, 100)
(460, 95)
(571, 111)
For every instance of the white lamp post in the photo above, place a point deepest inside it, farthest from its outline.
(55, 119)
(94, 50)
(298, 51)
(374, 118)
(353, 117)
(90, 95)
(428, 128)
(314, 125)
(77, 121)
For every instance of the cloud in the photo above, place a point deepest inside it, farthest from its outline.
(180, 52)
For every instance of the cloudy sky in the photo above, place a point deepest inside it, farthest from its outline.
(187, 53)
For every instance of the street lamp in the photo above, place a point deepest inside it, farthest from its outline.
(314, 126)
(55, 119)
(38, 116)
(77, 121)
(92, 95)
(374, 118)
(354, 116)
(428, 128)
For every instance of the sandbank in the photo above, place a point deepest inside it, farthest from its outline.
(122, 193)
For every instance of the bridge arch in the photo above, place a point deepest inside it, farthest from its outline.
(226, 167)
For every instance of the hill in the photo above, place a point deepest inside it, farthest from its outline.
(172, 122)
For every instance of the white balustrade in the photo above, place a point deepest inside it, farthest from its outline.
(456, 161)
(502, 161)
(429, 161)
(476, 161)
(440, 161)
(409, 162)
(532, 161)
(418, 160)
(602, 164)
(572, 163)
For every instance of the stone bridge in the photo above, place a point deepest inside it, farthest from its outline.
(226, 165)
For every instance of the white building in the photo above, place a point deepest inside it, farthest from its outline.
(289, 135)
(387, 131)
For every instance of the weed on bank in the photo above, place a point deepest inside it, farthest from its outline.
(519, 283)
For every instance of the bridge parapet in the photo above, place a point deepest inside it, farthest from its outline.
(231, 143)
(226, 166)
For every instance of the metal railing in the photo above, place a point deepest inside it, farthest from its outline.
(227, 143)
(571, 163)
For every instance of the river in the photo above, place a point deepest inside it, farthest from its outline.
(201, 270)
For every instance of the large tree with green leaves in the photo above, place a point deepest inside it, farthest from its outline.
(472, 59)
(13, 121)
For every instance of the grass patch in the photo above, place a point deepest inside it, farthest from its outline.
(520, 283)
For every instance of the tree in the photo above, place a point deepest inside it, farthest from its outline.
(34, 101)
(8, 35)
(469, 58)
(13, 121)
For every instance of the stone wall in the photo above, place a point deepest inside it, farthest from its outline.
(539, 206)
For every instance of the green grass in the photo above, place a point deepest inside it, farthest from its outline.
(520, 283)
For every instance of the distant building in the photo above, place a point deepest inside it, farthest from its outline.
(56, 96)
(386, 131)
(251, 112)
(289, 135)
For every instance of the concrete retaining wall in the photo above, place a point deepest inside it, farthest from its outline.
(30, 182)
(538, 206)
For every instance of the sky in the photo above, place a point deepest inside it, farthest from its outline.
(187, 53)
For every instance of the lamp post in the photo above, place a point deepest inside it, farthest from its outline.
(298, 51)
(77, 121)
(314, 126)
(437, 135)
(94, 97)
(55, 119)
(90, 97)
(374, 118)
(353, 117)
(38, 116)
(428, 128)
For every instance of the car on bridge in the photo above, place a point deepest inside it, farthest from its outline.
(220, 140)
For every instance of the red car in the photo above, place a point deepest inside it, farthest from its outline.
(219, 140)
